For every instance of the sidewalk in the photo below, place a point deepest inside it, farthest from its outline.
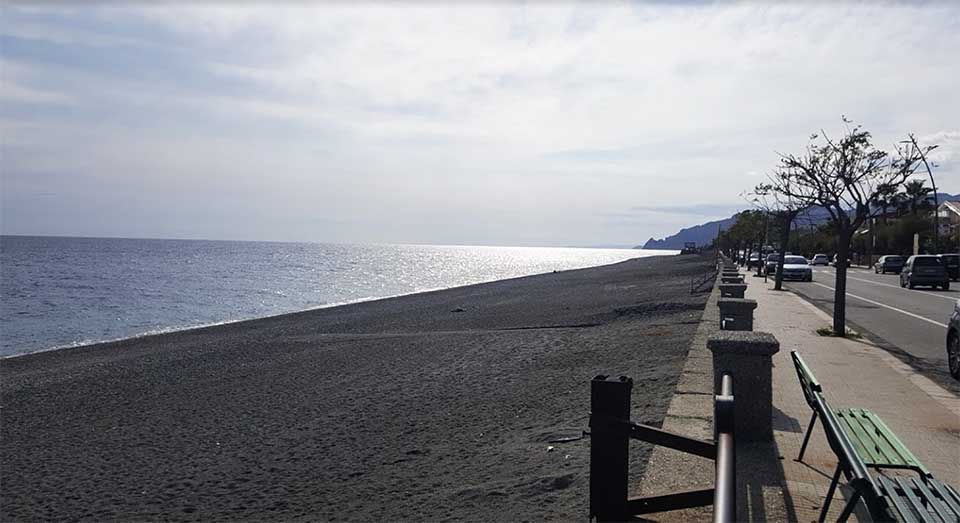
(853, 373)
(771, 485)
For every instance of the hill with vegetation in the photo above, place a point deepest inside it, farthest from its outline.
(705, 233)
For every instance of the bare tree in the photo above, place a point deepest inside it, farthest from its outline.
(848, 178)
(776, 200)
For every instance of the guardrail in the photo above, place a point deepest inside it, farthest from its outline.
(611, 432)
(697, 282)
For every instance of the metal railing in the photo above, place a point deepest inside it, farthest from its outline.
(725, 479)
(696, 282)
(611, 432)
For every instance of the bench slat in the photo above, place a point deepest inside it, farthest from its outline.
(903, 511)
(880, 439)
(923, 509)
(876, 443)
(859, 437)
(939, 507)
(947, 494)
(902, 449)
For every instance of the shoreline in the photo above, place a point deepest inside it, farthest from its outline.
(451, 404)
(175, 329)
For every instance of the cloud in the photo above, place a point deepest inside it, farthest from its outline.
(14, 93)
(948, 146)
(539, 115)
(700, 209)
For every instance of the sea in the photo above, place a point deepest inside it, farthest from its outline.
(60, 292)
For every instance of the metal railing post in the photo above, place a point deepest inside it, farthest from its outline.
(725, 484)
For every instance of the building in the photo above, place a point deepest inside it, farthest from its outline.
(949, 215)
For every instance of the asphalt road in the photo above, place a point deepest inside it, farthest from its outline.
(910, 323)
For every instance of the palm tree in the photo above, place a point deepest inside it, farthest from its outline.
(916, 195)
(886, 198)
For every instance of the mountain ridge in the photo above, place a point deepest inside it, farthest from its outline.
(705, 233)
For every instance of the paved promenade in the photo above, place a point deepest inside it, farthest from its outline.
(772, 485)
(856, 374)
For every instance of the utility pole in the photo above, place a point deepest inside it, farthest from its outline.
(936, 200)
(766, 232)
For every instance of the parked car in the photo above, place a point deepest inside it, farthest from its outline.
(889, 263)
(770, 267)
(953, 341)
(753, 260)
(952, 263)
(924, 269)
(820, 259)
(797, 268)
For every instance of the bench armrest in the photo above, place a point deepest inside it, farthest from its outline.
(808, 382)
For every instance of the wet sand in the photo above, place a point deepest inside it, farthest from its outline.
(441, 405)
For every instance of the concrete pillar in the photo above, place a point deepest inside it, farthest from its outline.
(747, 356)
(731, 279)
(736, 314)
(732, 290)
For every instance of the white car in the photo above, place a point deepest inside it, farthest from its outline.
(797, 268)
(820, 259)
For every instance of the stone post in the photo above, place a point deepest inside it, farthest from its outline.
(731, 279)
(736, 314)
(732, 290)
(747, 356)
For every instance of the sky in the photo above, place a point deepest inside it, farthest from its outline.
(444, 122)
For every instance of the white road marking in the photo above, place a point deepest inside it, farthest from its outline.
(928, 293)
(935, 391)
(884, 305)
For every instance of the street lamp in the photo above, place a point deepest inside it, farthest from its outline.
(936, 200)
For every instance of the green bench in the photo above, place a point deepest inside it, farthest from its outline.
(862, 441)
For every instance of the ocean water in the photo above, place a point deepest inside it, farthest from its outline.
(62, 292)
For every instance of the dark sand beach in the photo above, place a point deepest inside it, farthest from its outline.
(434, 406)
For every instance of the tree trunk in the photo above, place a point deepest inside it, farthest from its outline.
(784, 239)
(760, 258)
(840, 291)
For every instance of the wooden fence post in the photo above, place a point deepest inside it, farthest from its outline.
(609, 448)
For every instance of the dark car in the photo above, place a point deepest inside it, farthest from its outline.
(889, 263)
(770, 267)
(952, 263)
(924, 269)
(953, 341)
